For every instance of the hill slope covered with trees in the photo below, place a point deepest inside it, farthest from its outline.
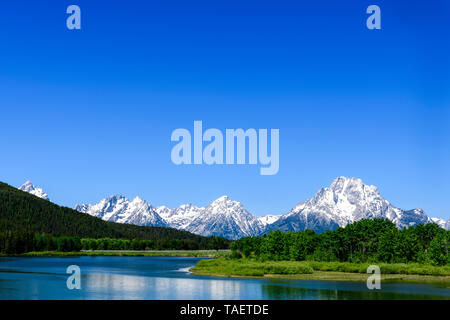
(24, 217)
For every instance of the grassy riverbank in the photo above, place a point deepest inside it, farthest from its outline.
(313, 270)
(107, 253)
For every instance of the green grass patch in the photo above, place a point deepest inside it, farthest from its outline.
(243, 267)
(247, 267)
(386, 268)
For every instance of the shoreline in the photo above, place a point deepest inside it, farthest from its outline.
(339, 276)
(125, 253)
(313, 270)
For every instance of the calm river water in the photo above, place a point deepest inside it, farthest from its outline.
(167, 278)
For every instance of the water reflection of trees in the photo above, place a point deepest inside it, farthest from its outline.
(286, 292)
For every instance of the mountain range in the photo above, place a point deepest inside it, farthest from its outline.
(23, 214)
(345, 201)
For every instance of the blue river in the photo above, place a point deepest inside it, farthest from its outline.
(157, 278)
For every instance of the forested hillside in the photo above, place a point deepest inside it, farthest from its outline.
(23, 216)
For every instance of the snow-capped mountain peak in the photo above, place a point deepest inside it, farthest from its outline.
(119, 209)
(34, 190)
(227, 218)
(345, 201)
(223, 217)
(222, 199)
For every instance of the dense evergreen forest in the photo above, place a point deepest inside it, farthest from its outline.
(368, 240)
(29, 223)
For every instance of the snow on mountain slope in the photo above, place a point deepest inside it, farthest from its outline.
(181, 217)
(34, 190)
(222, 217)
(346, 200)
(442, 223)
(268, 219)
(227, 218)
(120, 209)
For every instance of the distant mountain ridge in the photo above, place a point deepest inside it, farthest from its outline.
(345, 201)
(223, 217)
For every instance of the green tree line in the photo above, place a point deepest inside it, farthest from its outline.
(368, 240)
(16, 242)
(21, 242)
(215, 243)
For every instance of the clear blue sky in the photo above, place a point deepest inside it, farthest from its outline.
(87, 114)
